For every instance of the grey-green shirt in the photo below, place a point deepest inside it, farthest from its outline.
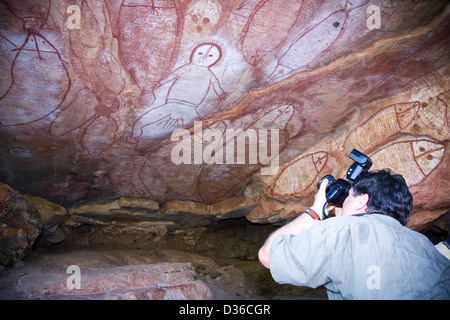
(362, 257)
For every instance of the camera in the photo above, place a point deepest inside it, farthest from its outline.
(337, 190)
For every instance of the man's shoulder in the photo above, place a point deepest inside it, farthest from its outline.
(384, 226)
(363, 219)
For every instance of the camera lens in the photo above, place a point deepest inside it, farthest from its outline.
(337, 192)
(330, 179)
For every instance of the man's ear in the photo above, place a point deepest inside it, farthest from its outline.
(362, 201)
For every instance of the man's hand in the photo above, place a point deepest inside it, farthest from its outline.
(320, 199)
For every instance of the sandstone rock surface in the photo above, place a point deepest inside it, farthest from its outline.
(138, 282)
(153, 100)
(20, 225)
(122, 275)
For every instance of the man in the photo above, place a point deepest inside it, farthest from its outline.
(365, 252)
(444, 246)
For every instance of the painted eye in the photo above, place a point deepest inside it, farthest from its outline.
(200, 53)
(210, 55)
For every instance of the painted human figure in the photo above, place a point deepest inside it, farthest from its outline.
(191, 84)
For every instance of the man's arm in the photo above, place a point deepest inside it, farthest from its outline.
(295, 227)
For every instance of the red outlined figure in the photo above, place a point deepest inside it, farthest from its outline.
(426, 81)
(202, 16)
(149, 38)
(443, 99)
(381, 126)
(123, 175)
(33, 13)
(312, 43)
(268, 25)
(436, 114)
(240, 14)
(300, 175)
(189, 87)
(208, 189)
(62, 125)
(99, 134)
(39, 82)
(204, 180)
(169, 182)
(415, 159)
(102, 76)
(8, 52)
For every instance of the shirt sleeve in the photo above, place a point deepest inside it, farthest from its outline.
(303, 260)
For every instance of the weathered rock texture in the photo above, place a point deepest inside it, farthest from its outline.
(92, 91)
(124, 275)
(20, 225)
(139, 282)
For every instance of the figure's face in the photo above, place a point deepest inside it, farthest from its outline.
(205, 55)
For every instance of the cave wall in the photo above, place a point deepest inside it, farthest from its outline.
(132, 99)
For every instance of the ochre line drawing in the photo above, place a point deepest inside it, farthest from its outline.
(312, 43)
(149, 39)
(443, 98)
(435, 114)
(415, 159)
(34, 92)
(426, 81)
(177, 111)
(258, 37)
(60, 127)
(98, 135)
(381, 126)
(97, 107)
(277, 117)
(202, 16)
(34, 14)
(300, 175)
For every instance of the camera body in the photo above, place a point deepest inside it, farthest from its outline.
(337, 190)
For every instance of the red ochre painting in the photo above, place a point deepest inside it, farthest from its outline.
(91, 93)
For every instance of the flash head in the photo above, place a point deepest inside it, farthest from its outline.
(337, 190)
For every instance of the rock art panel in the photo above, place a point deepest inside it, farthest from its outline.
(39, 82)
(238, 172)
(435, 114)
(414, 158)
(89, 50)
(426, 81)
(217, 152)
(313, 42)
(403, 133)
(102, 129)
(149, 38)
(266, 28)
(443, 100)
(381, 126)
(34, 14)
(103, 100)
(300, 175)
(124, 175)
(179, 110)
(60, 127)
(201, 17)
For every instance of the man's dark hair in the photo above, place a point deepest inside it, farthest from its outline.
(388, 194)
